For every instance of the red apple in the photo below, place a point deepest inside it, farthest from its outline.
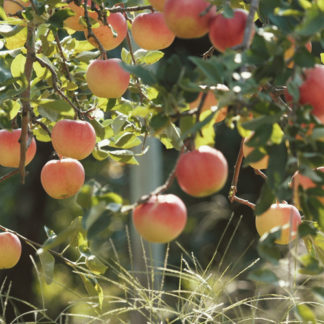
(187, 18)
(306, 183)
(202, 172)
(10, 148)
(11, 7)
(10, 250)
(157, 4)
(284, 215)
(228, 32)
(110, 37)
(150, 31)
(62, 178)
(161, 219)
(311, 92)
(73, 138)
(107, 79)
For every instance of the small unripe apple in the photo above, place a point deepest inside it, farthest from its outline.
(261, 164)
(209, 102)
(110, 37)
(279, 215)
(188, 18)
(157, 4)
(73, 138)
(150, 31)
(10, 148)
(161, 219)
(202, 172)
(10, 250)
(62, 178)
(12, 7)
(228, 32)
(107, 78)
(306, 183)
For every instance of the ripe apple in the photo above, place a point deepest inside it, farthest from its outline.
(73, 22)
(110, 36)
(12, 7)
(10, 148)
(306, 183)
(202, 172)
(10, 250)
(186, 19)
(62, 178)
(161, 219)
(73, 138)
(279, 215)
(261, 164)
(228, 32)
(150, 31)
(311, 92)
(107, 79)
(209, 102)
(157, 4)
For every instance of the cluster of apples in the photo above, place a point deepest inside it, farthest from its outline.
(200, 173)
(73, 140)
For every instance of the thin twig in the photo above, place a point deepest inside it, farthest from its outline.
(55, 86)
(249, 27)
(237, 168)
(244, 202)
(260, 173)
(90, 32)
(9, 175)
(64, 64)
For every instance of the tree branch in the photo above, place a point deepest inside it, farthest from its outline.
(9, 175)
(25, 98)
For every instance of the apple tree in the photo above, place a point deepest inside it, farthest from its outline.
(91, 78)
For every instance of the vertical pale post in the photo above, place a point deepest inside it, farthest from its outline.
(144, 178)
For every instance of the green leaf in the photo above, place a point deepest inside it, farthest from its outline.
(305, 229)
(265, 200)
(140, 71)
(310, 265)
(84, 196)
(8, 30)
(277, 165)
(147, 57)
(93, 288)
(305, 314)
(95, 265)
(267, 248)
(313, 22)
(211, 70)
(66, 235)
(125, 156)
(55, 109)
(57, 19)
(263, 275)
(47, 262)
(17, 66)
